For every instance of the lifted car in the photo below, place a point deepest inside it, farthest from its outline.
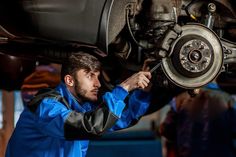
(193, 41)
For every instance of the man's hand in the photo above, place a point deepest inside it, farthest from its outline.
(137, 80)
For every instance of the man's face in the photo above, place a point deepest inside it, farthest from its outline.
(87, 85)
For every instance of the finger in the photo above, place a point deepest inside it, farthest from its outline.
(145, 79)
(141, 85)
(147, 74)
(145, 84)
(142, 75)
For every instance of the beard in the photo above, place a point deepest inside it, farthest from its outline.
(81, 93)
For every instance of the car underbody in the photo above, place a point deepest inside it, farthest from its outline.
(193, 41)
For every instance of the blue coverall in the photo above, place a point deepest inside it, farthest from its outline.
(55, 130)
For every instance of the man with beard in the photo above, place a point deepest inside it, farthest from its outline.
(61, 121)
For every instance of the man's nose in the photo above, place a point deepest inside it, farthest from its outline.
(97, 83)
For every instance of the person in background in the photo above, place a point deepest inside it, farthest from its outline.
(201, 126)
(60, 122)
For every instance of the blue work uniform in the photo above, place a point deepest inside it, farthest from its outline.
(58, 130)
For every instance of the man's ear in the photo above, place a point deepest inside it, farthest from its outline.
(69, 80)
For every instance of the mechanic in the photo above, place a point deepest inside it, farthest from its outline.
(60, 121)
(201, 126)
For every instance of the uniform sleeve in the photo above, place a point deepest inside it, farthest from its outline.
(51, 116)
(57, 120)
(138, 104)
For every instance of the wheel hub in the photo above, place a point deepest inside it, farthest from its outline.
(196, 57)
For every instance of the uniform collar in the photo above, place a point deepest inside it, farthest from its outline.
(74, 104)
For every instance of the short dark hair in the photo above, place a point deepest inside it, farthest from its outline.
(78, 61)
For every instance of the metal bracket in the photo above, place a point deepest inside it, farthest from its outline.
(229, 51)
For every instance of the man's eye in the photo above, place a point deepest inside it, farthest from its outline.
(89, 76)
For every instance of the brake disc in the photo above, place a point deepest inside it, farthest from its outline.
(196, 57)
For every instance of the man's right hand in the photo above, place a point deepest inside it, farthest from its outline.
(137, 80)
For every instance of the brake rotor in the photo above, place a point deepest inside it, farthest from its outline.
(196, 57)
